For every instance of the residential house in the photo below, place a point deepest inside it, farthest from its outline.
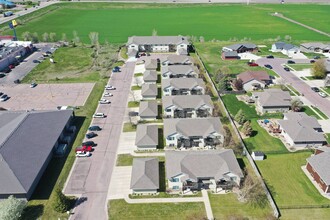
(149, 91)
(148, 110)
(230, 55)
(315, 47)
(150, 77)
(193, 132)
(241, 48)
(179, 71)
(157, 44)
(285, 48)
(146, 137)
(27, 143)
(151, 64)
(318, 166)
(183, 86)
(272, 100)
(174, 59)
(145, 176)
(192, 106)
(191, 170)
(301, 130)
(253, 80)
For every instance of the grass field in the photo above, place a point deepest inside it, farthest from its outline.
(221, 22)
(119, 209)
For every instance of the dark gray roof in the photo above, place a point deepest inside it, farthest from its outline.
(215, 163)
(25, 149)
(193, 126)
(183, 83)
(176, 59)
(145, 174)
(149, 90)
(148, 108)
(235, 47)
(321, 164)
(274, 97)
(258, 153)
(180, 69)
(150, 75)
(314, 45)
(190, 101)
(230, 54)
(146, 135)
(139, 40)
(285, 46)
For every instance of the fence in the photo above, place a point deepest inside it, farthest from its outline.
(276, 211)
(325, 206)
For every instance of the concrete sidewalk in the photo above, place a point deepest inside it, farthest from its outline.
(207, 204)
(164, 200)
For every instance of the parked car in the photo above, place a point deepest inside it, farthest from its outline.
(316, 57)
(32, 85)
(322, 94)
(1, 93)
(315, 89)
(83, 154)
(107, 94)
(90, 135)
(312, 61)
(11, 66)
(2, 75)
(99, 115)
(286, 68)
(17, 81)
(89, 143)
(94, 128)
(252, 64)
(116, 69)
(268, 66)
(84, 148)
(291, 62)
(109, 87)
(142, 54)
(6, 70)
(36, 61)
(104, 101)
(4, 98)
(270, 57)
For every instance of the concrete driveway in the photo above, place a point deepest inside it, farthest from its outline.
(301, 86)
(325, 124)
(127, 143)
(120, 182)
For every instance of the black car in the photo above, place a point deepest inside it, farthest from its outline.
(116, 69)
(91, 135)
(36, 61)
(88, 143)
(291, 62)
(94, 128)
(2, 75)
(17, 81)
(286, 68)
(268, 66)
(315, 89)
(1, 93)
(270, 57)
(312, 61)
(6, 70)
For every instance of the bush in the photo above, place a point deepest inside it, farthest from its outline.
(11, 208)
(61, 202)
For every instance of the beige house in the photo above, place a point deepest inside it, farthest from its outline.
(272, 100)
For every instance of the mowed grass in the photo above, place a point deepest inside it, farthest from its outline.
(119, 209)
(288, 183)
(115, 22)
(305, 214)
(310, 112)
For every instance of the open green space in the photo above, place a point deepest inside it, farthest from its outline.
(119, 209)
(216, 21)
(299, 67)
(310, 112)
(292, 214)
(288, 183)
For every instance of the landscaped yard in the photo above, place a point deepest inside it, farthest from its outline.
(129, 127)
(310, 112)
(119, 209)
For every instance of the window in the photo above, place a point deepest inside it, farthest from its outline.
(175, 187)
(168, 110)
(170, 138)
(175, 180)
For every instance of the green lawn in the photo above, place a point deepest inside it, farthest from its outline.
(138, 74)
(310, 112)
(327, 89)
(136, 88)
(233, 105)
(127, 160)
(133, 104)
(299, 67)
(128, 127)
(119, 209)
(87, 17)
(293, 89)
(292, 214)
(328, 138)
(285, 178)
(320, 112)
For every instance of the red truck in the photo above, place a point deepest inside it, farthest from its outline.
(84, 148)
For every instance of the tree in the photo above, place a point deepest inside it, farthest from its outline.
(26, 36)
(222, 85)
(154, 32)
(45, 37)
(319, 69)
(94, 37)
(238, 84)
(76, 38)
(11, 208)
(228, 136)
(52, 37)
(216, 110)
(296, 105)
(61, 202)
(64, 37)
(240, 117)
(35, 37)
(247, 129)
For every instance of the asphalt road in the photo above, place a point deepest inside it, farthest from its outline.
(90, 177)
(303, 88)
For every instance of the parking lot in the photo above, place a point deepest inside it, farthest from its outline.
(45, 96)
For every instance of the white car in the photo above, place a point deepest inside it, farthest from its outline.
(107, 94)
(322, 94)
(83, 154)
(104, 101)
(4, 97)
(32, 85)
(108, 87)
(99, 115)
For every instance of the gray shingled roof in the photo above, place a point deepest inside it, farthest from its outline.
(145, 174)
(146, 135)
(190, 101)
(285, 46)
(148, 108)
(230, 54)
(151, 64)
(193, 126)
(139, 40)
(183, 83)
(237, 46)
(312, 45)
(174, 59)
(274, 97)
(321, 164)
(215, 163)
(180, 69)
(300, 127)
(149, 90)
(150, 75)
(26, 146)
